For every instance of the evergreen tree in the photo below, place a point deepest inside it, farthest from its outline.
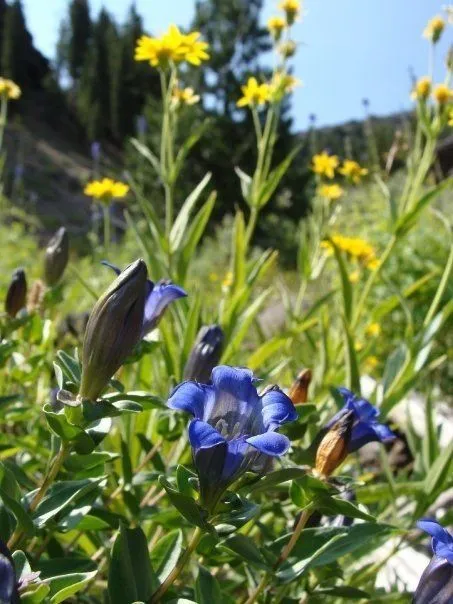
(79, 39)
(15, 44)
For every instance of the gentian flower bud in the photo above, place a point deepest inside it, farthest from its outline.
(205, 354)
(113, 329)
(233, 428)
(298, 392)
(158, 297)
(56, 259)
(17, 293)
(333, 448)
(8, 586)
(436, 582)
(365, 428)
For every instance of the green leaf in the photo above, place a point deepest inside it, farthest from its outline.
(166, 553)
(131, 577)
(274, 178)
(239, 251)
(186, 506)
(147, 154)
(24, 520)
(244, 546)
(61, 495)
(439, 472)
(194, 234)
(69, 433)
(70, 366)
(207, 589)
(184, 150)
(334, 506)
(246, 183)
(352, 366)
(275, 478)
(265, 351)
(409, 219)
(395, 366)
(35, 594)
(182, 220)
(346, 286)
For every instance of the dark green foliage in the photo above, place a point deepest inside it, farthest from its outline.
(80, 28)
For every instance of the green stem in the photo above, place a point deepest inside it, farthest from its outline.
(177, 570)
(54, 468)
(305, 515)
(371, 279)
(107, 228)
(251, 225)
(3, 116)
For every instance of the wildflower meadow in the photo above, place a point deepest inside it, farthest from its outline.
(187, 419)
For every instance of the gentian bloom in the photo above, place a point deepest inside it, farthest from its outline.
(436, 583)
(9, 584)
(233, 428)
(205, 354)
(366, 427)
(158, 296)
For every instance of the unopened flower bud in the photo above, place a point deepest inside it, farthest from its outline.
(113, 329)
(287, 49)
(333, 448)
(298, 392)
(205, 354)
(17, 293)
(57, 254)
(36, 296)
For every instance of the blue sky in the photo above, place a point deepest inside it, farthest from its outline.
(348, 50)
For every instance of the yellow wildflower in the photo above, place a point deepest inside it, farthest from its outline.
(373, 264)
(254, 93)
(373, 330)
(106, 189)
(371, 363)
(354, 276)
(442, 94)
(450, 117)
(325, 164)
(9, 90)
(355, 248)
(353, 171)
(291, 8)
(330, 192)
(193, 49)
(434, 29)
(282, 84)
(358, 346)
(172, 47)
(276, 25)
(184, 96)
(228, 280)
(422, 89)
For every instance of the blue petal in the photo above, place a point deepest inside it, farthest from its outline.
(365, 410)
(203, 436)
(270, 443)
(190, 397)
(234, 457)
(7, 579)
(157, 300)
(277, 409)
(237, 381)
(383, 432)
(442, 542)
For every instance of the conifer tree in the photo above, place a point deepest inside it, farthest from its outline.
(79, 39)
(15, 44)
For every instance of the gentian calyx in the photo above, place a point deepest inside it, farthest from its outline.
(436, 583)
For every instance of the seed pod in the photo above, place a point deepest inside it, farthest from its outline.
(333, 448)
(17, 293)
(205, 354)
(298, 392)
(113, 329)
(56, 259)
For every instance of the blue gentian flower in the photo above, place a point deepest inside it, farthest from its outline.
(366, 427)
(436, 583)
(233, 428)
(158, 296)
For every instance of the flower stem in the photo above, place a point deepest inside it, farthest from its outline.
(54, 468)
(107, 230)
(305, 515)
(177, 570)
